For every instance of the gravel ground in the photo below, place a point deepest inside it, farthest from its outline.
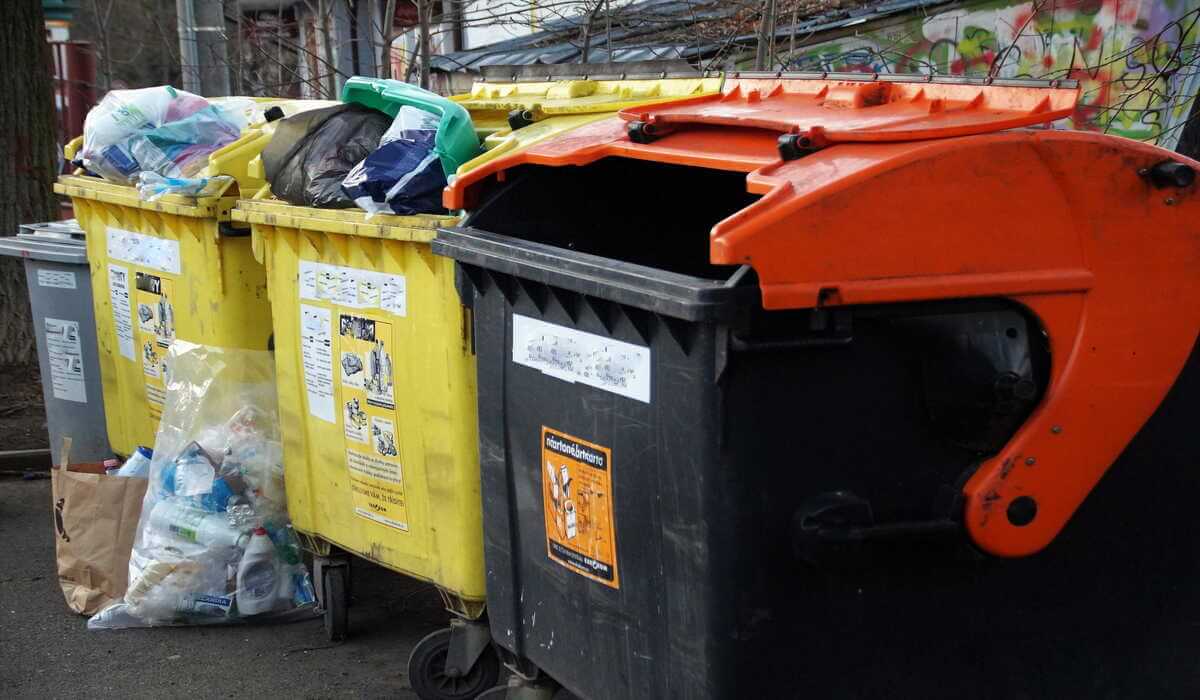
(46, 650)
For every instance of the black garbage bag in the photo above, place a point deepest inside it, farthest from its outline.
(312, 152)
(404, 176)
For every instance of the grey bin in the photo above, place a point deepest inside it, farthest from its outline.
(60, 297)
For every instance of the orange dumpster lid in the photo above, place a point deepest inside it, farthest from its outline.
(785, 131)
(801, 139)
(883, 109)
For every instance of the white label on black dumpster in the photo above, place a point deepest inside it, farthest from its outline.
(581, 357)
(65, 354)
(122, 311)
(58, 279)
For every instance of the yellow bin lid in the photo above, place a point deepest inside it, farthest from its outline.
(234, 159)
(542, 101)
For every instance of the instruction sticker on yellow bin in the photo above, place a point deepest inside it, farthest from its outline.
(368, 397)
(577, 500)
(155, 333)
(351, 375)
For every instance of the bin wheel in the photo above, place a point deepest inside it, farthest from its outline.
(427, 670)
(336, 619)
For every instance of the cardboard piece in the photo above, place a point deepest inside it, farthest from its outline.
(95, 522)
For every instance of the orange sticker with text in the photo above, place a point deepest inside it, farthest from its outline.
(577, 500)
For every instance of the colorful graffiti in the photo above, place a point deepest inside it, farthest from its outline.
(1137, 61)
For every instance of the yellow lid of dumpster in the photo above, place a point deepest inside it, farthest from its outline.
(513, 108)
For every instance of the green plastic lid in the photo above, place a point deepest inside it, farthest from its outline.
(456, 141)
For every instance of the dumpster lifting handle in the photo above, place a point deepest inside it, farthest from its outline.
(826, 329)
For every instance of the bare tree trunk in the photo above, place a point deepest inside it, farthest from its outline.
(323, 7)
(425, 13)
(375, 31)
(27, 161)
(189, 56)
(279, 45)
(766, 35)
(414, 62)
(152, 9)
(238, 85)
(587, 31)
(211, 49)
(792, 35)
(106, 70)
(389, 34)
(608, 30)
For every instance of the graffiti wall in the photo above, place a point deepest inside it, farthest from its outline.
(1136, 60)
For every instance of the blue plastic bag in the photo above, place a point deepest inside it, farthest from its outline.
(152, 186)
(404, 175)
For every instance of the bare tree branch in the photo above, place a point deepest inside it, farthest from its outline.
(389, 33)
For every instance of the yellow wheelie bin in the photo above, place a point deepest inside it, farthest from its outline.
(166, 269)
(515, 107)
(375, 366)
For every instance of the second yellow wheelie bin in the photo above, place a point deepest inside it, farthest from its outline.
(377, 400)
(376, 372)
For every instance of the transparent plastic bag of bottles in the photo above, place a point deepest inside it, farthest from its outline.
(214, 542)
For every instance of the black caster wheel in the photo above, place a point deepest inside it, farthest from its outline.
(427, 671)
(334, 587)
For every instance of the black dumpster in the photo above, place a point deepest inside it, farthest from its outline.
(690, 494)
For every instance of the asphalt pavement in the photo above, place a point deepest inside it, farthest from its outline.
(46, 651)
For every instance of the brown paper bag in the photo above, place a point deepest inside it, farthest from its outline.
(95, 519)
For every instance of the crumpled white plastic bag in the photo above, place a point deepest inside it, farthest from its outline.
(159, 129)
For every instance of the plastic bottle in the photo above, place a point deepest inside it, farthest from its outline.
(203, 604)
(286, 546)
(217, 500)
(166, 481)
(138, 464)
(151, 575)
(285, 591)
(193, 474)
(194, 525)
(302, 592)
(257, 576)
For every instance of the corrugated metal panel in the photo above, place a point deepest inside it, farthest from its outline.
(548, 46)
